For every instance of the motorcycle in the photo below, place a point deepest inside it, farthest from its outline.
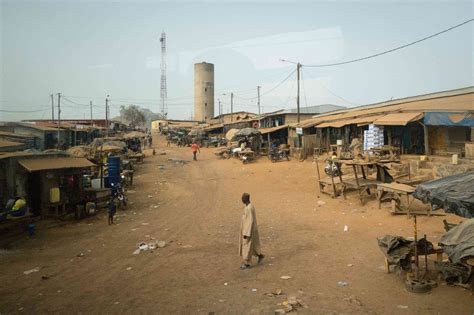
(118, 192)
(277, 155)
(331, 169)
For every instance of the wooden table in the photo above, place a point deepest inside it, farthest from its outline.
(364, 184)
(395, 192)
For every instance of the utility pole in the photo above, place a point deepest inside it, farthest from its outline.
(59, 117)
(107, 115)
(232, 106)
(52, 107)
(258, 98)
(220, 113)
(91, 112)
(298, 70)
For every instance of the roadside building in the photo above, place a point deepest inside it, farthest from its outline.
(50, 183)
(228, 117)
(438, 123)
(44, 137)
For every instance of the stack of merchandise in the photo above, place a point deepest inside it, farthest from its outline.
(373, 137)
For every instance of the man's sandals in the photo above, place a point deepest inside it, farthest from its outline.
(247, 266)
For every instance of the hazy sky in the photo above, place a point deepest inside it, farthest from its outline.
(88, 49)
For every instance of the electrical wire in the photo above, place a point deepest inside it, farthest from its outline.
(393, 49)
(331, 92)
(23, 111)
(304, 91)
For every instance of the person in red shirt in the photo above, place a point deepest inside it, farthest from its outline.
(195, 149)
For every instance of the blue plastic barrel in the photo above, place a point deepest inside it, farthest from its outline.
(114, 169)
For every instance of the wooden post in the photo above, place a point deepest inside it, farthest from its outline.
(269, 145)
(427, 144)
(328, 141)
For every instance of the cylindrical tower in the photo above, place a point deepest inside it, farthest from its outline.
(203, 91)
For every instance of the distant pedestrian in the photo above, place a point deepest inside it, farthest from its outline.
(168, 140)
(195, 148)
(112, 209)
(249, 241)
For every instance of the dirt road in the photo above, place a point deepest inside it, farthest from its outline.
(89, 267)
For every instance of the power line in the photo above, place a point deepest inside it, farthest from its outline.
(24, 111)
(393, 49)
(79, 104)
(304, 91)
(333, 93)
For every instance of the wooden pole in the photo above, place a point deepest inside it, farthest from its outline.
(427, 144)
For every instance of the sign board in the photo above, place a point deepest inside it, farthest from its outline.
(299, 131)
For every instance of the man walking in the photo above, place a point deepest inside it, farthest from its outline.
(249, 241)
(195, 149)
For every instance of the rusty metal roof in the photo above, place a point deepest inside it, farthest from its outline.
(41, 164)
(398, 119)
(5, 144)
(269, 130)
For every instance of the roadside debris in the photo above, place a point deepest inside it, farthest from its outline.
(293, 303)
(27, 272)
(321, 203)
(274, 293)
(285, 277)
(149, 246)
(352, 299)
(342, 283)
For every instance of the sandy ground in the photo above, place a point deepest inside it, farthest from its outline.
(195, 207)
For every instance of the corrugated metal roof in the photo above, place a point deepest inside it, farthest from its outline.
(398, 119)
(336, 124)
(448, 101)
(6, 155)
(14, 135)
(268, 130)
(5, 144)
(33, 165)
(213, 127)
(38, 127)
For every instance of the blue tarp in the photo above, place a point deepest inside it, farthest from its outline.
(449, 119)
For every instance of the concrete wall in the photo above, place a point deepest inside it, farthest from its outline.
(203, 91)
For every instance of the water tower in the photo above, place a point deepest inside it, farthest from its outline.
(203, 91)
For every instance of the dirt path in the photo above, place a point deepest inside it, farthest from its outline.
(195, 207)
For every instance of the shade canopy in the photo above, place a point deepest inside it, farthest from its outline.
(273, 129)
(398, 119)
(34, 165)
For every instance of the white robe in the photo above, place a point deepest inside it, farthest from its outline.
(248, 227)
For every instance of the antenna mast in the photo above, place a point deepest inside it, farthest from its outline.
(163, 93)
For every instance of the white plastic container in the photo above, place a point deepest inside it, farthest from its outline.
(95, 182)
(339, 142)
(455, 159)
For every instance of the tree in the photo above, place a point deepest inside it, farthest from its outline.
(132, 115)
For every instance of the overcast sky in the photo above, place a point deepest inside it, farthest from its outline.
(88, 49)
